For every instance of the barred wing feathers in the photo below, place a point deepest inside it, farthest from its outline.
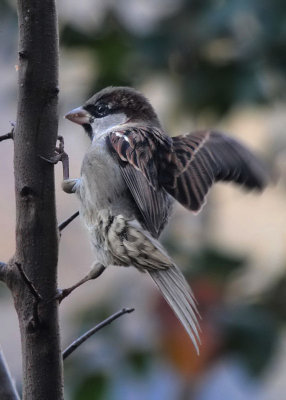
(203, 158)
(184, 166)
(135, 151)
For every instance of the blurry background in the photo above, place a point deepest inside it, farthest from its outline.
(212, 63)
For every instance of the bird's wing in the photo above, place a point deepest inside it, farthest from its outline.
(185, 166)
(135, 150)
(202, 158)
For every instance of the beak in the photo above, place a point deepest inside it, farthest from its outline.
(78, 116)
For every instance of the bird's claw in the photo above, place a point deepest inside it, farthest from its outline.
(60, 154)
(53, 160)
(61, 147)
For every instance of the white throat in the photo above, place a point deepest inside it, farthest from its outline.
(101, 126)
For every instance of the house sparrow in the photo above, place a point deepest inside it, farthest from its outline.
(132, 173)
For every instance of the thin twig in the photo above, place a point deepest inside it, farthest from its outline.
(72, 347)
(7, 136)
(65, 223)
(7, 387)
(3, 267)
(37, 297)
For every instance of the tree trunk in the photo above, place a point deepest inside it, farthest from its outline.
(34, 265)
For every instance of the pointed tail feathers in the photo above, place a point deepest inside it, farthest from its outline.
(130, 245)
(178, 295)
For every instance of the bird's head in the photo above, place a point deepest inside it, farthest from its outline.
(112, 107)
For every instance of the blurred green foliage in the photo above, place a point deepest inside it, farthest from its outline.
(218, 52)
(93, 387)
(251, 334)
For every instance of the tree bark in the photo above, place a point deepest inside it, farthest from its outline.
(36, 225)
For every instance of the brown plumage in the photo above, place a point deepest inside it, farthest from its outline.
(127, 244)
(184, 166)
(130, 177)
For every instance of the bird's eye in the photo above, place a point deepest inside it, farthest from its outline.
(101, 110)
(97, 110)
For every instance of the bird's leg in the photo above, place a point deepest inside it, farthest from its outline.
(68, 185)
(96, 270)
(63, 157)
(60, 155)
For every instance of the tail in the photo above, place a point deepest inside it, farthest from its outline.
(178, 295)
(130, 245)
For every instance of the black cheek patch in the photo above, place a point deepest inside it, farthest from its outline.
(88, 130)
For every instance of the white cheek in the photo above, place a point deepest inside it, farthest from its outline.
(105, 124)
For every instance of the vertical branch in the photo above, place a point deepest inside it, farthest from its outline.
(36, 227)
(7, 387)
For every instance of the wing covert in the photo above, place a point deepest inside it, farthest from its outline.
(184, 166)
(136, 151)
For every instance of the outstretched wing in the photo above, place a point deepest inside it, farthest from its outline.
(200, 159)
(184, 166)
(135, 149)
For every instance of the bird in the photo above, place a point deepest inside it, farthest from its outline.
(131, 175)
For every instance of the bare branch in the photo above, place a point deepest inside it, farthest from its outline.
(66, 222)
(9, 135)
(71, 348)
(7, 387)
(3, 268)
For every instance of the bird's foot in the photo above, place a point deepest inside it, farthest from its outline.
(96, 270)
(68, 185)
(60, 155)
